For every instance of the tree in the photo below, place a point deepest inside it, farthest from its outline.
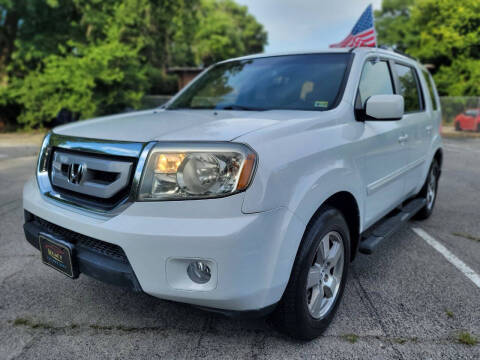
(31, 30)
(445, 33)
(101, 79)
(95, 57)
(390, 23)
(227, 30)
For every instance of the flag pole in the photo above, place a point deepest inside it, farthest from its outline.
(374, 28)
(375, 32)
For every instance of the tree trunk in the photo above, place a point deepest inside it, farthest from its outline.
(8, 34)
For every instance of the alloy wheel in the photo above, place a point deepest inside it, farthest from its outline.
(325, 275)
(431, 188)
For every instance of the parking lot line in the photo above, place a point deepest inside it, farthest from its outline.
(2, 156)
(456, 148)
(459, 264)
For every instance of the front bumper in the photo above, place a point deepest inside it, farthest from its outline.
(97, 259)
(252, 253)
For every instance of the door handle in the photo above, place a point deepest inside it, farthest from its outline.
(403, 139)
(429, 129)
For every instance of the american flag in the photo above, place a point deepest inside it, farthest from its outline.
(362, 34)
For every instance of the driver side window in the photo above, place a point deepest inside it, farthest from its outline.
(375, 80)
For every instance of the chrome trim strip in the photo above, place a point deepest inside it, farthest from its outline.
(104, 147)
(378, 184)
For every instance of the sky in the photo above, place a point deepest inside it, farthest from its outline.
(306, 24)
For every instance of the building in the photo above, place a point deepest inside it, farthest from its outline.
(185, 74)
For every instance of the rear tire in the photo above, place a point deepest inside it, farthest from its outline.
(318, 277)
(457, 126)
(429, 192)
(478, 127)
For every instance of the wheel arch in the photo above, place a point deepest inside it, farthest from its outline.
(346, 203)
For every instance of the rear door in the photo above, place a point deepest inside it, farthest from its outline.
(417, 123)
(381, 154)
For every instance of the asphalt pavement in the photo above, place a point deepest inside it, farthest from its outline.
(406, 301)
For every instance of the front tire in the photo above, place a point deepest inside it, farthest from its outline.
(457, 126)
(318, 277)
(429, 192)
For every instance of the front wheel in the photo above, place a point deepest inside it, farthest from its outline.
(457, 126)
(318, 277)
(429, 192)
(478, 127)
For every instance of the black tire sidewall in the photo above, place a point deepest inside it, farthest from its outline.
(425, 212)
(328, 220)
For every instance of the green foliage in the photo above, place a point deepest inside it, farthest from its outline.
(464, 337)
(227, 30)
(95, 57)
(99, 79)
(444, 33)
(390, 23)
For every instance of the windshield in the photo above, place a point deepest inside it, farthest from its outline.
(301, 82)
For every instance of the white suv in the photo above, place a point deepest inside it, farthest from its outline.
(251, 191)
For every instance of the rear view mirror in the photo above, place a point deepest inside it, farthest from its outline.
(384, 107)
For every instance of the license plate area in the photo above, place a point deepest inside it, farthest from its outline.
(58, 254)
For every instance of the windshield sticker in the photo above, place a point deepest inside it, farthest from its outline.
(321, 104)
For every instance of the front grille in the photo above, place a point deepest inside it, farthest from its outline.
(105, 180)
(82, 241)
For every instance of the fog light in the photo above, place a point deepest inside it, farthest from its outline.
(199, 272)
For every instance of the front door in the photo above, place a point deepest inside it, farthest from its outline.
(382, 154)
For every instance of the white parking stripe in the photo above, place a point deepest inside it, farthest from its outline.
(451, 149)
(455, 148)
(459, 264)
(2, 156)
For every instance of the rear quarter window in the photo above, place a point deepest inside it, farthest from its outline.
(408, 88)
(429, 81)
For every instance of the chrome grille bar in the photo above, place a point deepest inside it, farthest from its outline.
(116, 151)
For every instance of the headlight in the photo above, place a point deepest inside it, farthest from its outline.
(195, 171)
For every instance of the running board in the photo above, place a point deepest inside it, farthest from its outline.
(389, 226)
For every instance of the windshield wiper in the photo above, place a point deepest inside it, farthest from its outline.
(240, 107)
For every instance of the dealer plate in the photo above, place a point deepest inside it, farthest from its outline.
(57, 254)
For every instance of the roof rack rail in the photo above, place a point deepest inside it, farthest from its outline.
(389, 48)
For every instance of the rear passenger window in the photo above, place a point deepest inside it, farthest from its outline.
(408, 88)
(428, 79)
(375, 80)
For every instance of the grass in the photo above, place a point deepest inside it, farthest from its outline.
(118, 327)
(449, 313)
(352, 338)
(464, 337)
(31, 324)
(466, 236)
(20, 321)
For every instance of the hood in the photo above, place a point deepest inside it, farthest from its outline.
(172, 125)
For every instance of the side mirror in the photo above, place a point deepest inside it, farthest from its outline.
(384, 107)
